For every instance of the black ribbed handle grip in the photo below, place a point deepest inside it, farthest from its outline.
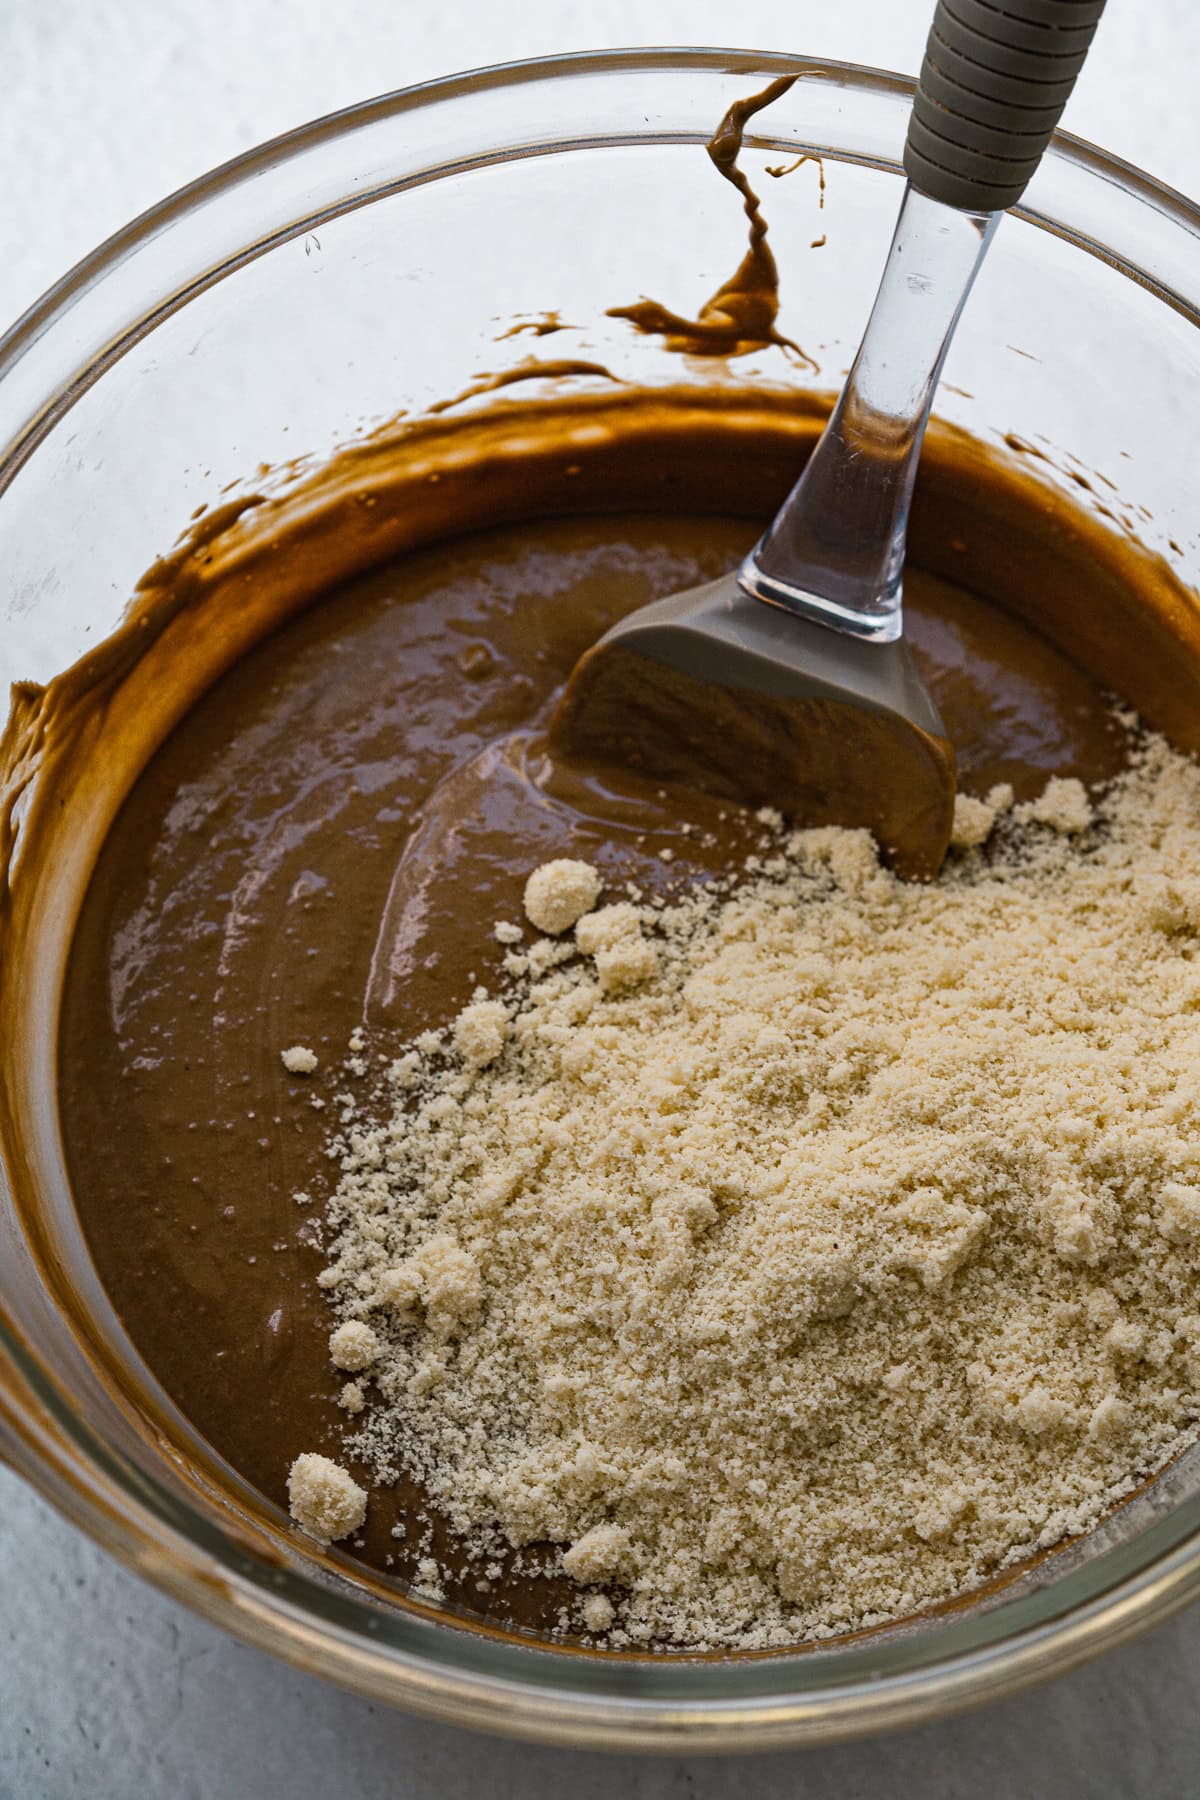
(996, 76)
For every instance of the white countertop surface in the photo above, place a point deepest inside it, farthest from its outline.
(106, 1687)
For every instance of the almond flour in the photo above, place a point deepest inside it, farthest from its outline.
(559, 893)
(830, 1246)
(325, 1499)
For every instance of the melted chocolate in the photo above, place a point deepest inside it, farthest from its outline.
(740, 317)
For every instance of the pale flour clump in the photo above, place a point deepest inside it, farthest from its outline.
(598, 1612)
(559, 893)
(479, 1032)
(324, 1498)
(601, 1554)
(353, 1346)
(851, 1254)
(973, 821)
(1063, 806)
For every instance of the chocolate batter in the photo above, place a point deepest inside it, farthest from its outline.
(268, 879)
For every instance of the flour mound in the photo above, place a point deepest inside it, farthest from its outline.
(841, 1254)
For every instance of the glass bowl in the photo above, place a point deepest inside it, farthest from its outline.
(371, 265)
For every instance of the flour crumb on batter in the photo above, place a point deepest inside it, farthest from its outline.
(613, 937)
(299, 1060)
(1063, 806)
(607, 926)
(479, 1032)
(353, 1346)
(324, 1498)
(559, 893)
(973, 821)
(598, 1612)
(599, 1555)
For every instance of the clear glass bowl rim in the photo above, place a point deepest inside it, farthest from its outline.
(436, 1668)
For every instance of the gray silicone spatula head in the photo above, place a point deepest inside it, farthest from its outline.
(788, 683)
(713, 688)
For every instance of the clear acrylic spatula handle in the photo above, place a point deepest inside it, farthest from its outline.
(992, 88)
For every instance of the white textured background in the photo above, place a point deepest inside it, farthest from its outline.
(107, 105)
(106, 1688)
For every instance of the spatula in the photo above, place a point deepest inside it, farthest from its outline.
(789, 682)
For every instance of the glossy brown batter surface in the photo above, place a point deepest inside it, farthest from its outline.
(331, 833)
